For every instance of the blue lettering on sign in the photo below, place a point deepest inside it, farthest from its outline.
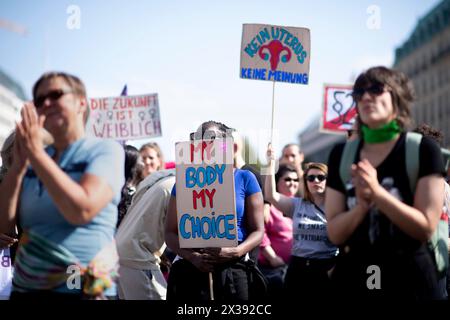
(284, 76)
(207, 227)
(204, 176)
(257, 74)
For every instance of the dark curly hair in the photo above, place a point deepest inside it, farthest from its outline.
(430, 132)
(400, 87)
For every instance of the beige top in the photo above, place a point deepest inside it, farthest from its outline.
(140, 237)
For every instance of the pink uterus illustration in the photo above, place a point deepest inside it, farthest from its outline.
(274, 50)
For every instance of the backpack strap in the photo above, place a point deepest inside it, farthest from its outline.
(412, 147)
(446, 154)
(347, 158)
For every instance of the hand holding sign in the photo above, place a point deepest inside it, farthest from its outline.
(6, 241)
(221, 255)
(202, 261)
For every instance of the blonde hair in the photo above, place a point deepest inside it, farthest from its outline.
(155, 146)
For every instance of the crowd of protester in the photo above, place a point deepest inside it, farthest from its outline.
(305, 230)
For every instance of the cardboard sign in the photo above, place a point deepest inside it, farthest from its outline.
(125, 117)
(205, 194)
(275, 53)
(339, 109)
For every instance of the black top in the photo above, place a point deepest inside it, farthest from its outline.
(377, 240)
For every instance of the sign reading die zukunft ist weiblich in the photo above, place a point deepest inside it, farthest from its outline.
(125, 117)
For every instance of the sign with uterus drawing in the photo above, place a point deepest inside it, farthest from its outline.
(275, 53)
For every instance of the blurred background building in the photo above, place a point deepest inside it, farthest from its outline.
(425, 58)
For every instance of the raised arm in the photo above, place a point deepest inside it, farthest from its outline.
(281, 202)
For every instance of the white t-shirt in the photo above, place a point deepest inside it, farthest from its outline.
(6, 274)
(140, 237)
(310, 232)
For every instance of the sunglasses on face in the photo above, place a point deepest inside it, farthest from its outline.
(313, 177)
(375, 89)
(53, 95)
(291, 179)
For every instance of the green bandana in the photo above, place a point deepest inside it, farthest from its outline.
(382, 134)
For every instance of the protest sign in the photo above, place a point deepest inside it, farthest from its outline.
(339, 109)
(206, 210)
(275, 53)
(124, 117)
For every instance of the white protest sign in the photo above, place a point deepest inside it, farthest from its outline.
(205, 194)
(339, 109)
(275, 53)
(6, 274)
(124, 117)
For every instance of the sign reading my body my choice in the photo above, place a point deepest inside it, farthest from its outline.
(205, 194)
(275, 53)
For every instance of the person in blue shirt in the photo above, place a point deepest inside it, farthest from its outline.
(188, 278)
(64, 197)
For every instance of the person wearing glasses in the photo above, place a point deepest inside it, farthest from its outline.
(230, 267)
(312, 255)
(276, 246)
(63, 196)
(379, 223)
(291, 154)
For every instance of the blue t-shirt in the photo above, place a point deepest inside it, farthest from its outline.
(245, 184)
(38, 213)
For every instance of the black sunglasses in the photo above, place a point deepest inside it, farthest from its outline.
(312, 177)
(375, 89)
(53, 95)
(291, 179)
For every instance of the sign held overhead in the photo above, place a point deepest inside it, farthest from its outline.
(275, 53)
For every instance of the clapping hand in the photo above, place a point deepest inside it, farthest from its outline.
(365, 181)
(29, 131)
(220, 255)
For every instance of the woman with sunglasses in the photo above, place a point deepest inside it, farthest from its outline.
(63, 196)
(380, 224)
(313, 254)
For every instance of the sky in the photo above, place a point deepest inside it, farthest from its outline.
(188, 52)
